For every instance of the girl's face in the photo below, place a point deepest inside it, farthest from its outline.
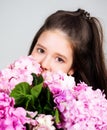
(53, 51)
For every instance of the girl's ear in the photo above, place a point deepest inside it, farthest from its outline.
(70, 72)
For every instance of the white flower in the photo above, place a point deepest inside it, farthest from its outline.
(45, 122)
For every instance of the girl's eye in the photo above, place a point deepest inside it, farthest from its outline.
(58, 59)
(40, 50)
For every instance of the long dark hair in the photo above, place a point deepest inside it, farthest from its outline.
(86, 37)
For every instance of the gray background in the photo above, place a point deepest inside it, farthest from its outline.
(20, 19)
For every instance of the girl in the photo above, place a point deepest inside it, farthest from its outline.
(73, 43)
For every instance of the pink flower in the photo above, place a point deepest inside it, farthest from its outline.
(19, 71)
(10, 117)
(82, 108)
(58, 82)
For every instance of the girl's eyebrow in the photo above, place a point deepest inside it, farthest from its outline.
(62, 56)
(39, 45)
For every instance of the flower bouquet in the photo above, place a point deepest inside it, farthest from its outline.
(32, 100)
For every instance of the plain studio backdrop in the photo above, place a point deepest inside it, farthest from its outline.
(20, 20)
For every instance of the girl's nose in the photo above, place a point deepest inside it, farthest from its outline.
(45, 63)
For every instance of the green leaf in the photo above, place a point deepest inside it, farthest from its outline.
(48, 109)
(57, 119)
(36, 90)
(49, 95)
(29, 103)
(45, 102)
(37, 79)
(34, 97)
(20, 89)
(19, 93)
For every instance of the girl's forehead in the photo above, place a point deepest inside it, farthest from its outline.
(55, 40)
